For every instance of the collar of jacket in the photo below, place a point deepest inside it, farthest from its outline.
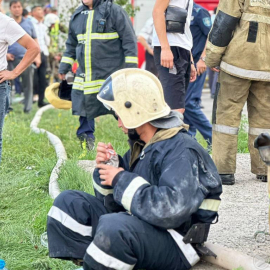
(161, 135)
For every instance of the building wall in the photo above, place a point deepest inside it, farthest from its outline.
(146, 7)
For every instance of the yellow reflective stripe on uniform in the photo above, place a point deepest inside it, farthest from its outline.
(94, 83)
(67, 60)
(210, 204)
(225, 129)
(68, 222)
(91, 90)
(77, 86)
(255, 18)
(131, 190)
(258, 131)
(88, 45)
(107, 260)
(105, 35)
(79, 80)
(81, 37)
(101, 190)
(244, 73)
(131, 59)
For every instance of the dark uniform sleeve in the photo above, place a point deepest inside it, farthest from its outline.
(204, 21)
(171, 203)
(127, 35)
(228, 16)
(69, 56)
(105, 193)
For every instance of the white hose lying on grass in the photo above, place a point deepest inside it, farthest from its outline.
(54, 190)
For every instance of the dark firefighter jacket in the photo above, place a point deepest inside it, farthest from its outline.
(98, 53)
(239, 39)
(172, 183)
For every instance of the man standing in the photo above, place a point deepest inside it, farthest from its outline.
(160, 190)
(40, 82)
(172, 53)
(239, 45)
(194, 117)
(11, 32)
(16, 53)
(101, 38)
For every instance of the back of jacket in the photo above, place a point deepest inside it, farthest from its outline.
(240, 37)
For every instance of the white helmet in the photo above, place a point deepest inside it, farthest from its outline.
(136, 96)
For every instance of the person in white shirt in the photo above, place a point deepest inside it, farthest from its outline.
(11, 32)
(40, 82)
(172, 53)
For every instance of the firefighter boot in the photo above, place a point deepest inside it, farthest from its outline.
(227, 179)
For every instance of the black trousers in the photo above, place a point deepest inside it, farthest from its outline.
(40, 82)
(174, 85)
(80, 227)
(150, 63)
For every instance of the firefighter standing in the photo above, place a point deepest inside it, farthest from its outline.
(239, 45)
(163, 186)
(101, 38)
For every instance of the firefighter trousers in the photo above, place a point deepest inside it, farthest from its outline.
(79, 227)
(231, 95)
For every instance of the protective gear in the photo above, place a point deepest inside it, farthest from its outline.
(99, 53)
(135, 95)
(227, 179)
(238, 43)
(51, 94)
(171, 185)
(238, 37)
(231, 96)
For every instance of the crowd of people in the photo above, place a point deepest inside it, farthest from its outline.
(41, 24)
(153, 207)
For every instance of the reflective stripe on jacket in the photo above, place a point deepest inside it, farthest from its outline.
(239, 39)
(172, 184)
(98, 54)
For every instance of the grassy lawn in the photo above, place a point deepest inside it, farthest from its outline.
(27, 162)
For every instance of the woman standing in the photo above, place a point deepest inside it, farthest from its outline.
(11, 32)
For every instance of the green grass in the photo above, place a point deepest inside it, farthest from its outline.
(27, 162)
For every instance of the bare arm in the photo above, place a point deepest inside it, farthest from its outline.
(32, 51)
(201, 66)
(193, 71)
(160, 26)
(147, 47)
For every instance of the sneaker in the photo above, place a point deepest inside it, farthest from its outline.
(87, 142)
(227, 179)
(263, 178)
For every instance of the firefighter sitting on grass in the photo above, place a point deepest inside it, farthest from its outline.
(154, 208)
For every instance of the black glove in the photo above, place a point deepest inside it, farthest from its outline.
(65, 90)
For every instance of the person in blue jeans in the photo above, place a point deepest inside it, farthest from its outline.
(10, 32)
(193, 116)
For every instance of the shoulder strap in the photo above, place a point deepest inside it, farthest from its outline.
(187, 5)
